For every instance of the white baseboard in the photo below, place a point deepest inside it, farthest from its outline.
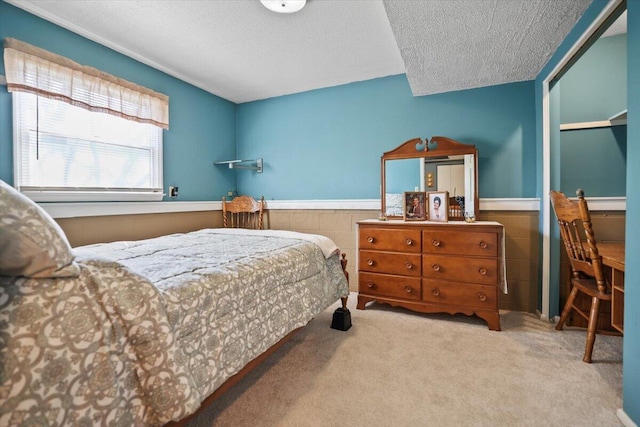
(624, 418)
(541, 316)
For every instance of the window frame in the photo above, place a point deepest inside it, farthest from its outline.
(81, 195)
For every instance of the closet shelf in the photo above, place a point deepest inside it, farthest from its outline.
(619, 119)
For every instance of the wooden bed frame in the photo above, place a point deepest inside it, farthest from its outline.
(233, 380)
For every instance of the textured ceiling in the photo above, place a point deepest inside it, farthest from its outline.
(240, 51)
(453, 45)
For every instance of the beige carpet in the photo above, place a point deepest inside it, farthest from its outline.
(399, 368)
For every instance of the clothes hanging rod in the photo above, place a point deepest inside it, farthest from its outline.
(239, 164)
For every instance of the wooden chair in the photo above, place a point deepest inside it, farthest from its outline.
(243, 212)
(587, 274)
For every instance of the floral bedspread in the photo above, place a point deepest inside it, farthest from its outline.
(152, 327)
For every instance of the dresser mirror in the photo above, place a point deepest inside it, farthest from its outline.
(438, 164)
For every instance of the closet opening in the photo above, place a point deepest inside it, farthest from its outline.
(584, 138)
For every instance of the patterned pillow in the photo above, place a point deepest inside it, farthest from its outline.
(32, 244)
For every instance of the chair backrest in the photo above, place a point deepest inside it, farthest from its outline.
(243, 212)
(578, 237)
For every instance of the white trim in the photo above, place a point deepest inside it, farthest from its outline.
(364, 204)
(374, 204)
(606, 203)
(92, 196)
(546, 202)
(625, 419)
(546, 149)
(510, 204)
(545, 318)
(72, 210)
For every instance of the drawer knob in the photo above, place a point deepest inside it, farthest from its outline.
(435, 242)
(370, 239)
(482, 296)
(369, 284)
(436, 267)
(408, 265)
(482, 271)
(409, 242)
(483, 244)
(435, 292)
(408, 289)
(370, 261)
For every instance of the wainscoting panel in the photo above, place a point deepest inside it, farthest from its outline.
(101, 229)
(521, 229)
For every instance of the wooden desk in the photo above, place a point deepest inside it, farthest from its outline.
(613, 257)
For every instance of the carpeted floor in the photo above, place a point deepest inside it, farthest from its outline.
(399, 368)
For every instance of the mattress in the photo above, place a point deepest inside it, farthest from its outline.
(151, 328)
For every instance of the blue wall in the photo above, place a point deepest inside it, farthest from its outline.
(323, 144)
(631, 348)
(594, 160)
(327, 143)
(631, 354)
(201, 127)
(555, 150)
(594, 89)
(403, 175)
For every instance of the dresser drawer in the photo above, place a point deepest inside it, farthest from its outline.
(442, 292)
(398, 240)
(390, 262)
(389, 286)
(475, 243)
(461, 269)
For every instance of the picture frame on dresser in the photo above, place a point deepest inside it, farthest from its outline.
(438, 203)
(415, 208)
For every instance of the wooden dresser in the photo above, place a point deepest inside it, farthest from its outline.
(431, 267)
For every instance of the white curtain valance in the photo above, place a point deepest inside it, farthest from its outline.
(31, 69)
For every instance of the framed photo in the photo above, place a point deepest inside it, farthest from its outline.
(438, 205)
(415, 206)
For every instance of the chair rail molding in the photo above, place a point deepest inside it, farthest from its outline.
(79, 209)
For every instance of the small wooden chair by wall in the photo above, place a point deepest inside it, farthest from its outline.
(243, 212)
(587, 273)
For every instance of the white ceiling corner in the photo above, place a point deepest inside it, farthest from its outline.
(241, 51)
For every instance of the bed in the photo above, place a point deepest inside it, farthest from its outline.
(142, 332)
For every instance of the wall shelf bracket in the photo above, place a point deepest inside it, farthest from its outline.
(255, 165)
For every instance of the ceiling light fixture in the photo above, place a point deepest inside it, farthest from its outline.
(284, 6)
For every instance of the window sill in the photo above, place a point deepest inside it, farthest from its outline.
(77, 210)
(89, 196)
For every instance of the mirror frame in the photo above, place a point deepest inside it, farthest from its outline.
(438, 146)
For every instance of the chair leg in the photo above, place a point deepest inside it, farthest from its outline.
(567, 308)
(592, 329)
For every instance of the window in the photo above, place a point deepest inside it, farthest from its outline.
(81, 134)
(67, 153)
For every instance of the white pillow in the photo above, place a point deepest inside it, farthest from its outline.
(32, 244)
